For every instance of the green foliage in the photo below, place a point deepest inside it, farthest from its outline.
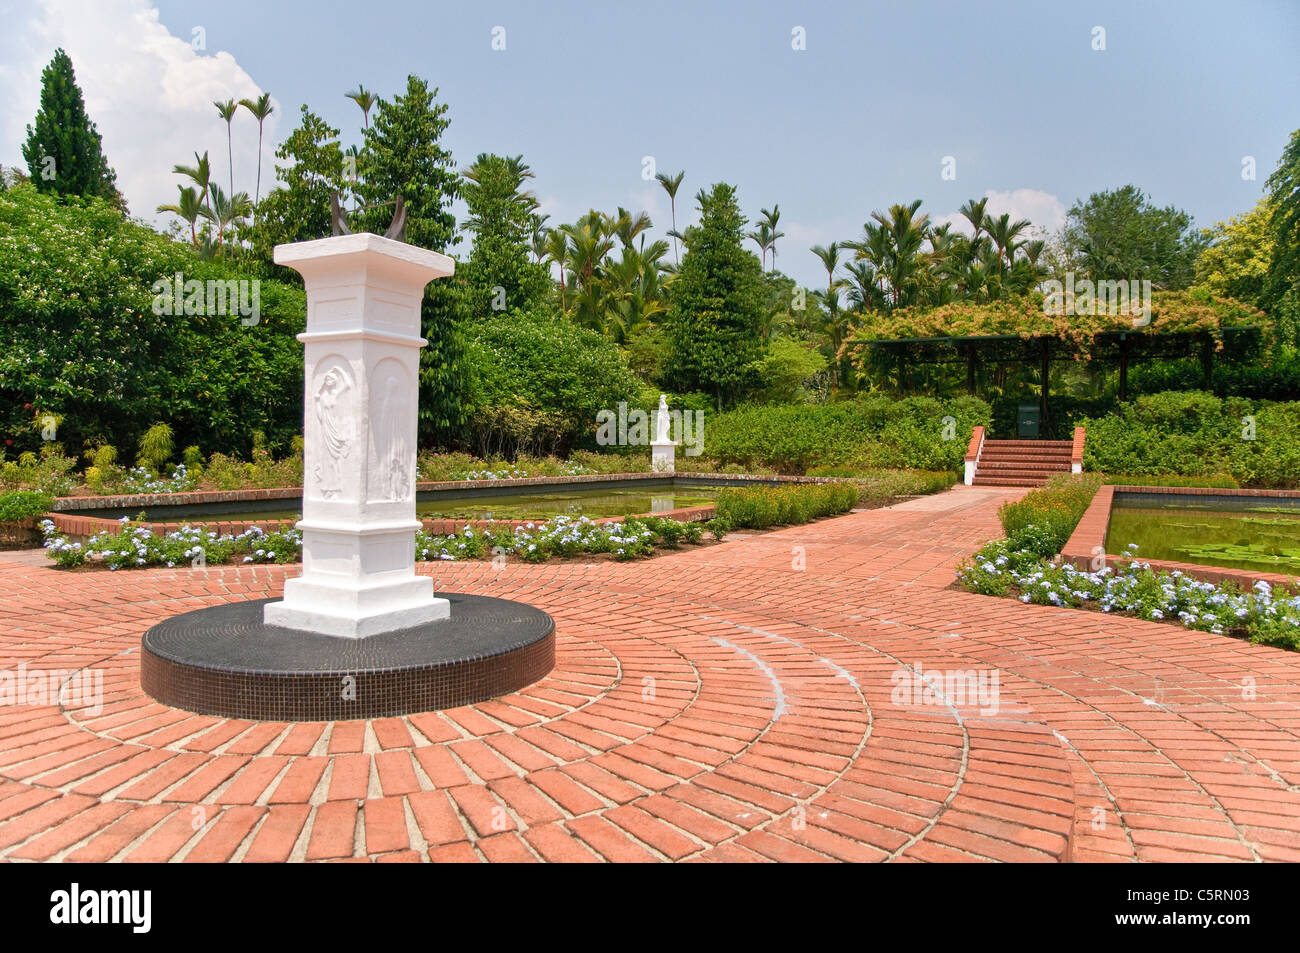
(156, 447)
(1218, 481)
(718, 527)
(18, 505)
(1043, 519)
(871, 432)
(537, 382)
(1193, 433)
(299, 208)
(718, 304)
(65, 134)
(49, 472)
(1119, 235)
(1237, 261)
(81, 337)
(785, 370)
(761, 507)
(404, 155)
(501, 218)
(1283, 281)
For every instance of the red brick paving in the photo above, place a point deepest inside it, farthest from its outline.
(717, 704)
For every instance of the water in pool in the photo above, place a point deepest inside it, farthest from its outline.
(1262, 536)
(595, 504)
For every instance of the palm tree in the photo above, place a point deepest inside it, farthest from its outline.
(1003, 233)
(627, 227)
(973, 210)
(189, 208)
(228, 212)
(557, 250)
(201, 174)
(260, 108)
(863, 292)
(762, 237)
(671, 184)
(540, 234)
(905, 232)
(770, 219)
(830, 258)
(365, 99)
(226, 111)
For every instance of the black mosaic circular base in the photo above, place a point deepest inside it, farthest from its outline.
(224, 660)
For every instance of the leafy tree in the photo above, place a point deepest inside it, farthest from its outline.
(717, 304)
(538, 380)
(1240, 255)
(786, 369)
(1120, 235)
(65, 134)
(86, 338)
(1283, 283)
(299, 210)
(405, 156)
(501, 218)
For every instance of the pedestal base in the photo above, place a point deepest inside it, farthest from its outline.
(224, 660)
(663, 456)
(356, 613)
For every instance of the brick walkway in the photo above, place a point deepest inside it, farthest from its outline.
(717, 704)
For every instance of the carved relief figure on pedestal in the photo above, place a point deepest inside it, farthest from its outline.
(390, 476)
(334, 417)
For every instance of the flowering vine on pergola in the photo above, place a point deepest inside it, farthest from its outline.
(1182, 324)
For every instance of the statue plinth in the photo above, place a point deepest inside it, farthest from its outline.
(362, 353)
(663, 451)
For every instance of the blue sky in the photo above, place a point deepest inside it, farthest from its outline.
(861, 118)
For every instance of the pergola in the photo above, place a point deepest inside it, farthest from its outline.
(1115, 348)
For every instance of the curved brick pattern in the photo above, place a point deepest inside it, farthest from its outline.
(738, 702)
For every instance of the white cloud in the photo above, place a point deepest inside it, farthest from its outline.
(149, 93)
(1043, 209)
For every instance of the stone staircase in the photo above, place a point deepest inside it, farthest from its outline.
(1022, 462)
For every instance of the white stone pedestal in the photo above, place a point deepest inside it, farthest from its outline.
(663, 452)
(663, 456)
(362, 377)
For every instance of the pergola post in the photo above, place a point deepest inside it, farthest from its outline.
(1042, 396)
(1123, 367)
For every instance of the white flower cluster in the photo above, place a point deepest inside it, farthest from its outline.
(1135, 588)
(140, 480)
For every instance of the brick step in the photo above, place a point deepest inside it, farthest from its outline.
(1038, 473)
(1016, 461)
(1028, 445)
(1026, 458)
(1006, 481)
(1025, 462)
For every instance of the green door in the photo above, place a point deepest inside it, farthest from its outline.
(1027, 421)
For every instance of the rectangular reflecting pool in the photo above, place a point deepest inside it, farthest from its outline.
(1259, 533)
(611, 498)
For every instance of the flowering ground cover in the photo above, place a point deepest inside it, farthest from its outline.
(133, 546)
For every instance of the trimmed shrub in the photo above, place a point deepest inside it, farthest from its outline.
(1197, 434)
(1042, 520)
(874, 432)
(761, 507)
